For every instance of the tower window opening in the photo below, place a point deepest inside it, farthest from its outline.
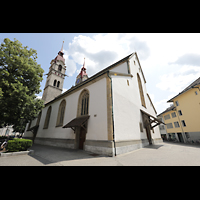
(58, 84)
(54, 83)
(60, 68)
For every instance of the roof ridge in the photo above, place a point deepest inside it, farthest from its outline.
(103, 71)
(192, 84)
(196, 82)
(167, 109)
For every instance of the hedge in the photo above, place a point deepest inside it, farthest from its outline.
(3, 137)
(18, 145)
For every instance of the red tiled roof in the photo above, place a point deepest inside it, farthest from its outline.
(58, 57)
(83, 72)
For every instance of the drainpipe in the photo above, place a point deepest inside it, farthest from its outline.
(112, 113)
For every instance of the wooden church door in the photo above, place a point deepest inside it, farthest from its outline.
(82, 137)
(146, 120)
(149, 134)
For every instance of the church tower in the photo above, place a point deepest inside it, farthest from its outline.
(55, 77)
(82, 75)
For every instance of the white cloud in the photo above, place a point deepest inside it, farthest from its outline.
(176, 81)
(39, 97)
(170, 62)
(64, 90)
(162, 105)
(152, 96)
(188, 59)
(102, 50)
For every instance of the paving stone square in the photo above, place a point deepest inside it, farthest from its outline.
(163, 154)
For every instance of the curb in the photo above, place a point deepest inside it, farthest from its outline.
(30, 152)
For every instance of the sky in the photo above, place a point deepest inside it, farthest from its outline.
(170, 61)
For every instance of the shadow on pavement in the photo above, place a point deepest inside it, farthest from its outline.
(50, 154)
(153, 146)
(40, 159)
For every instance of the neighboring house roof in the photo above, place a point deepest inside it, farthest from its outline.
(192, 85)
(97, 75)
(167, 110)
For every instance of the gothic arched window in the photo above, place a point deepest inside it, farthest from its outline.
(46, 123)
(83, 106)
(141, 91)
(54, 83)
(61, 113)
(38, 118)
(58, 84)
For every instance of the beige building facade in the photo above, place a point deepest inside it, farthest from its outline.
(182, 119)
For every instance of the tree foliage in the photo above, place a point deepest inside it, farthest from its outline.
(20, 78)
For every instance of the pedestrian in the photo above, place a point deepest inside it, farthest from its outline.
(3, 145)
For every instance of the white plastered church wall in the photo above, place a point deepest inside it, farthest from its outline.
(122, 68)
(52, 131)
(127, 104)
(135, 68)
(97, 124)
(29, 134)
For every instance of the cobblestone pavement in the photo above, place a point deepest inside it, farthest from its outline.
(163, 154)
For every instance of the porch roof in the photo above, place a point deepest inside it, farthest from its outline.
(76, 122)
(154, 120)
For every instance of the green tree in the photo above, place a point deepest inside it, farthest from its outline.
(20, 78)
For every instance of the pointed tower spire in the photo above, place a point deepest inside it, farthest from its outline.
(60, 54)
(83, 70)
(82, 75)
(62, 47)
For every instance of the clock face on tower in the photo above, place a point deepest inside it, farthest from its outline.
(77, 81)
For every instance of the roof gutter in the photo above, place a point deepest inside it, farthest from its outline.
(196, 87)
(171, 100)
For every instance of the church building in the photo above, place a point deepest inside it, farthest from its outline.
(109, 113)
